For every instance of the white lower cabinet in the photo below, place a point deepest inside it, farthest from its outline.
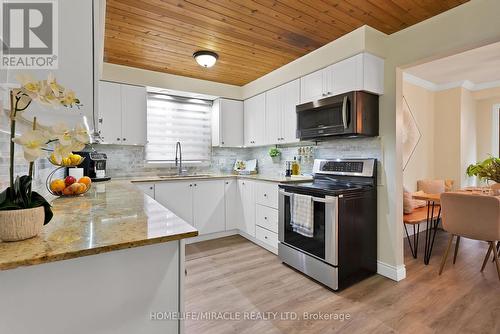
(266, 217)
(177, 197)
(266, 193)
(200, 203)
(208, 206)
(212, 206)
(147, 188)
(234, 211)
(246, 190)
(267, 237)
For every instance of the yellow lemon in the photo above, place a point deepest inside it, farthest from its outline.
(75, 159)
(57, 185)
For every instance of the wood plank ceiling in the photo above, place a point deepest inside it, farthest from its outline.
(252, 37)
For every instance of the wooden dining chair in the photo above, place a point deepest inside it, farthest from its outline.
(474, 217)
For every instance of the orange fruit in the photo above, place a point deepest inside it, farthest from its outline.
(83, 188)
(57, 185)
(67, 191)
(85, 180)
(75, 188)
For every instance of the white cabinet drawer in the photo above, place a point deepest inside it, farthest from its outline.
(266, 193)
(267, 237)
(266, 217)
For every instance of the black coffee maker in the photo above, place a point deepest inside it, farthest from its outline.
(94, 165)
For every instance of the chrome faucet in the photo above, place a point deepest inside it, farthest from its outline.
(178, 161)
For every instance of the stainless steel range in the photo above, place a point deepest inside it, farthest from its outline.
(333, 239)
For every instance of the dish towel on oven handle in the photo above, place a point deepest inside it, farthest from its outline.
(302, 215)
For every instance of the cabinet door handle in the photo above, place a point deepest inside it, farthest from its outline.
(150, 188)
(265, 218)
(124, 139)
(190, 185)
(222, 143)
(118, 139)
(265, 237)
(265, 195)
(195, 185)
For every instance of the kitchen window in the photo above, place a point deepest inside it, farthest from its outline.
(172, 119)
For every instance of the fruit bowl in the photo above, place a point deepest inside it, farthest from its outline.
(67, 187)
(72, 161)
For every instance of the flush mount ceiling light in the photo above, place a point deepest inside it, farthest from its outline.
(205, 58)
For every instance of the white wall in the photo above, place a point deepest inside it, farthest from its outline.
(468, 136)
(421, 164)
(487, 127)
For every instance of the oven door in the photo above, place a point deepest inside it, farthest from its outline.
(324, 243)
(326, 117)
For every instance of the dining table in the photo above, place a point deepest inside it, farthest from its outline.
(432, 221)
(433, 204)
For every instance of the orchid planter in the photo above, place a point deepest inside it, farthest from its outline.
(17, 225)
(23, 212)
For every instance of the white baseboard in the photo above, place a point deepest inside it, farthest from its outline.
(396, 273)
(259, 243)
(211, 236)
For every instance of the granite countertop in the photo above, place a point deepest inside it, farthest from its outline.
(256, 177)
(111, 216)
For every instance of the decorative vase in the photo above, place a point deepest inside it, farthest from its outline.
(276, 159)
(16, 225)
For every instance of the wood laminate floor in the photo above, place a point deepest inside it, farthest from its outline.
(234, 275)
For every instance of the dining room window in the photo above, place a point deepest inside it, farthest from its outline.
(172, 119)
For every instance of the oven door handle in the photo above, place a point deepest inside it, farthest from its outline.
(315, 199)
(344, 112)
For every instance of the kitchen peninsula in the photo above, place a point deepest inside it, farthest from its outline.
(136, 267)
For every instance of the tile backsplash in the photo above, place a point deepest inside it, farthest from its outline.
(125, 161)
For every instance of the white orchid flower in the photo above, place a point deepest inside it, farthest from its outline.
(61, 152)
(77, 146)
(81, 134)
(54, 86)
(62, 133)
(69, 99)
(33, 143)
(29, 86)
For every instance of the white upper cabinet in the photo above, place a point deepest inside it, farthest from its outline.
(313, 86)
(274, 115)
(227, 123)
(361, 72)
(122, 113)
(254, 110)
(291, 98)
(110, 112)
(281, 118)
(134, 105)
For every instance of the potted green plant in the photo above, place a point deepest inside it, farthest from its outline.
(23, 212)
(487, 170)
(275, 154)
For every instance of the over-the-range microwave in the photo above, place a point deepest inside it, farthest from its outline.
(350, 114)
